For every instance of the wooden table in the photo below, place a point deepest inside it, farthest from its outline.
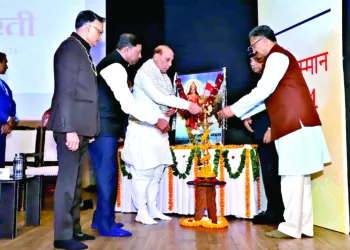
(9, 193)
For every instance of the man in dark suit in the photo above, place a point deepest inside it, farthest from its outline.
(74, 119)
(8, 119)
(260, 123)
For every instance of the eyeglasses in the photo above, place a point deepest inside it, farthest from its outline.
(250, 51)
(99, 31)
(253, 45)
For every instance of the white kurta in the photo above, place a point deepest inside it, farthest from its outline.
(116, 77)
(145, 146)
(301, 152)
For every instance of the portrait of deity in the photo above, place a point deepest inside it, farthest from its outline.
(208, 90)
(194, 97)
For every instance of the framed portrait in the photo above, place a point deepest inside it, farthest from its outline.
(207, 89)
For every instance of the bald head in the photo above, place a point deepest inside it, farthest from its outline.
(163, 57)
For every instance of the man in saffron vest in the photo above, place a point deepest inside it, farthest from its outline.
(295, 127)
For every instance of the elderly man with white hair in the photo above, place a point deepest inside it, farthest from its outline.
(146, 149)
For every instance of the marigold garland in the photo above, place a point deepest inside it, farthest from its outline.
(247, 184)
(255, 163)
(222, 187)
(227, 165)
(204, 222)
(195, 175)
(170, 189)
(197, 149)
(176, 172)
(219, 158)
(122, 167)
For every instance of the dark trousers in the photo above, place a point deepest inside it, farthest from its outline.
(103, 153)
(272, 181)
(2, 150)
(68, 187)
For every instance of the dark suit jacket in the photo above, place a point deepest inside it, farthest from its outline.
(7, 104)
(260, 124)
(74, 106)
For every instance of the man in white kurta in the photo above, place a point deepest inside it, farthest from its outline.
(301, 152)
(146, 149)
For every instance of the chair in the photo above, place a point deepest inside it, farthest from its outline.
(26, 140)
(48, 165)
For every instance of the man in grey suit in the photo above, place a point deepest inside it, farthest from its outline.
(75, 122)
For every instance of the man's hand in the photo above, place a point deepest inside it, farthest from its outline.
(170, 112)
(91, 140)
(247, 123)
(194, 108)
(5, 129)
(267, 136)
(12, 122)
(72, 141)
(120, 140)
(226, 112)
(163, 125)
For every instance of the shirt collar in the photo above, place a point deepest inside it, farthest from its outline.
(83, 42)
(125, 62)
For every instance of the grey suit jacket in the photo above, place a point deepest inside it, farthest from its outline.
(74, 106)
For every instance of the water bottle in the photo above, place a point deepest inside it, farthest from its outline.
(18, 166)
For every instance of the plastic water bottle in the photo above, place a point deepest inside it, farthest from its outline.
(18, 166)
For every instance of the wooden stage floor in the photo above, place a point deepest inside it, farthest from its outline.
(241, 234)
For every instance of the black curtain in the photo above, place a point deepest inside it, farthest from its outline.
(211, 34)
(206, 34)
(143, 18)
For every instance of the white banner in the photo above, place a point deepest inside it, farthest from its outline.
(30, 33)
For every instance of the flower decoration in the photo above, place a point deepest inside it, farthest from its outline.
(204, 222)
(170, 189)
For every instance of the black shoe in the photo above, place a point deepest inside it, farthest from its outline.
(81, 237)
(91, 189)
(265, 219)
(86, 204)
(69, 244)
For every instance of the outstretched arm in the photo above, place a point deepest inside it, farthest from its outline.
(276, 67)
(116, 77)
(146, 84)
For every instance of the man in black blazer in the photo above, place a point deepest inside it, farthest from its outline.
(260, 124)
(74, 119)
